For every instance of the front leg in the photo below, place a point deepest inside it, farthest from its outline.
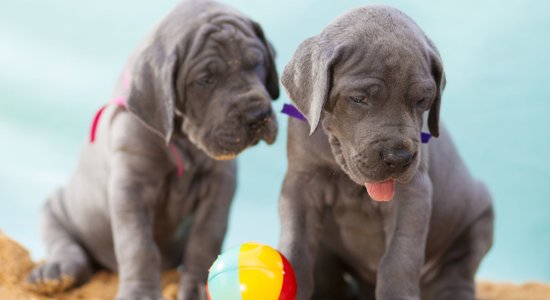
(133, 189)
(398, 274)
(300, 228)
(207, 231)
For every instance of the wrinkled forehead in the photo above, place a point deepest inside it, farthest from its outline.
(389, 58)
(228, 38)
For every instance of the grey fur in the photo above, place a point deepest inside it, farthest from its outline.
(368, 78)
(203, 82)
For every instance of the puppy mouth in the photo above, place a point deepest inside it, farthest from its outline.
(382, 191)
(381, 188)
(228, 146)
(229, 156)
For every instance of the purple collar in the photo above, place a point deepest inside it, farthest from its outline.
(292, 111)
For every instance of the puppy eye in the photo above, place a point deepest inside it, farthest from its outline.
(254, 58)
(259, 68)
(422, 104)
(358, 99)
(373, 90)
(204, 81)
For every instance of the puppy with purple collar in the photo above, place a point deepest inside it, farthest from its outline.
(364, 203)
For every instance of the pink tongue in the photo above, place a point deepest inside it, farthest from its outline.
(381, 191)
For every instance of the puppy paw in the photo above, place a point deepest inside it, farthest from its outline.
(139, 295)
(457, 294)
(55, 277)
(192, 290)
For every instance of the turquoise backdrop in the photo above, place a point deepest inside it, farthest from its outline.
(59, 60)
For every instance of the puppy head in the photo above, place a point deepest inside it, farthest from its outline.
(369, 77)
(215, 82)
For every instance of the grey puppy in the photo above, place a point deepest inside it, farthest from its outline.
(369, 78)
(199, 93)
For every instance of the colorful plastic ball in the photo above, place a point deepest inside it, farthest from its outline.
(251, 271)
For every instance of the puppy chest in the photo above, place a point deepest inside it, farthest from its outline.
(180, 198)
(356, 232)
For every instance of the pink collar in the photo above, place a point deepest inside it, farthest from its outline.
(121, 102)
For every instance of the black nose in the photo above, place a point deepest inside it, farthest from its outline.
(398, 158)
(258, 120)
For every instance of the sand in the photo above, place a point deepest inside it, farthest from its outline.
(15, 264)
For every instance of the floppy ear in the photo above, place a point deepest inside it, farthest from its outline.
(439, 77)
(307, 78)
(152, 94)
(272, 78)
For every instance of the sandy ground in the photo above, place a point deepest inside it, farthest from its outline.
(15, 264)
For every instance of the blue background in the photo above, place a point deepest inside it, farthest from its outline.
(59, 60)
